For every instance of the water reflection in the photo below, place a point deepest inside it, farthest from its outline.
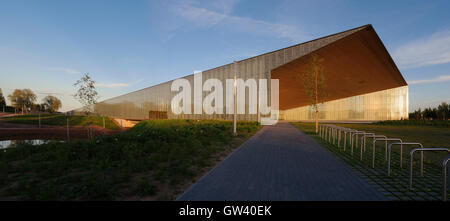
(11, 143)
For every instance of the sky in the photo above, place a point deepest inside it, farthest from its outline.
(129, 45)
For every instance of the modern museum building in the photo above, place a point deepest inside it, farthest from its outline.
(362, 82)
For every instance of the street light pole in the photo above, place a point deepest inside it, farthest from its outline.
(235, 102)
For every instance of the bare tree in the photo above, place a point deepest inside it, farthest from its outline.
(51, 103)
(86, 93)
(314, 83)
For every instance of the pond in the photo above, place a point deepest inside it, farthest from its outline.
(11, 143)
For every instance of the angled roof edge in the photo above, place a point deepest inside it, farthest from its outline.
(367, 27)
(390, 59)
(306, 42)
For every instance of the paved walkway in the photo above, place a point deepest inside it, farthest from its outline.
(281, 163)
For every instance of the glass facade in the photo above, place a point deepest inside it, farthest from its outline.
(391, 104)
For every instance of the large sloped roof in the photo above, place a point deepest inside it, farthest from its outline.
(356, 62)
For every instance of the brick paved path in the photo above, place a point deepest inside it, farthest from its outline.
(281, 163)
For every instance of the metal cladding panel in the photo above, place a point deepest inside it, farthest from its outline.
(280, 64)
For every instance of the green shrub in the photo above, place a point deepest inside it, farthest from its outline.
(172, 150)
(145, 188)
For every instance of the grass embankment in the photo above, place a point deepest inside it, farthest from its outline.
(154, 160)
(432, 123)
(429, 136)
(60, 120)
(396, 186)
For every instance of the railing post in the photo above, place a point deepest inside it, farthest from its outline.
(412, 158)
(444, 171)
(373, 153)
(345, 139)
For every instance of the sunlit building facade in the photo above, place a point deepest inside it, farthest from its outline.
(362, 81)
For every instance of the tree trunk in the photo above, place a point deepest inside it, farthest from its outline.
(317, 121)
(317, 106)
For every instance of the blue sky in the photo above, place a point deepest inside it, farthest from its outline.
(128, 45)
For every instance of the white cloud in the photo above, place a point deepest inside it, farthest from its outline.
(220, 15)
(433, 80)
(432, 50)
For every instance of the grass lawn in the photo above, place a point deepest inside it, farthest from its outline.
(60, 120)
(155, 160)
(432, 123)
(396, 186)
(427, 135)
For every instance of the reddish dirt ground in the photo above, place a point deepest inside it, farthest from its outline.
(52, 133)
(10, 131)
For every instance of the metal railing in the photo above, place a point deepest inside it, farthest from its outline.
(385, 148)
(401, 155)
(370, 135)
(363, 138)
(444, 171)
(356, 139)
(350, 131)
(374, 136)
(345, 130)
(331, 133)
(411, 161)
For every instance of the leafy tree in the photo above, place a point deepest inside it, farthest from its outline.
(430, 113)
(2, 99)
(40, 107)
(17, 100)
(86, 93)
(314, 83)
(443, 111)
(29, 99)
(51, 103)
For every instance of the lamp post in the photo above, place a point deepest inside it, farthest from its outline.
(235, 102)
